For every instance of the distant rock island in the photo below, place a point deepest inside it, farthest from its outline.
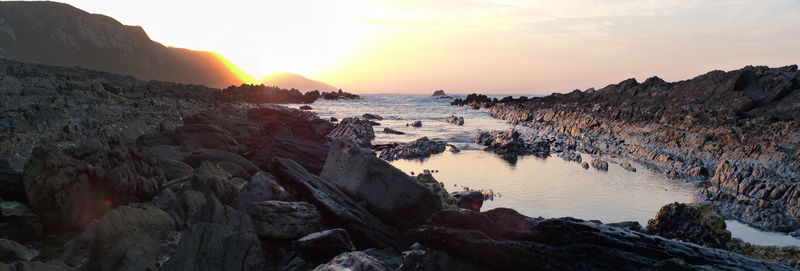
(439, 93)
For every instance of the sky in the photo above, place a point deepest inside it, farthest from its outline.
(493, 46)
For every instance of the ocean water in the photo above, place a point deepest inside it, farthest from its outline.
(546, 187)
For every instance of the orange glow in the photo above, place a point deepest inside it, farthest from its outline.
(240, 74)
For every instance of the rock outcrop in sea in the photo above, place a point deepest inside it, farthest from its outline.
(737, 130)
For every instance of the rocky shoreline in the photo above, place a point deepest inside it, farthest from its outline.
(736, 134)
(106, 172)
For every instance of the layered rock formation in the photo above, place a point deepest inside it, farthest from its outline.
(739, 130)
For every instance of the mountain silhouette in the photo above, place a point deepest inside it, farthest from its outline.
(59, 34)
(293, 80)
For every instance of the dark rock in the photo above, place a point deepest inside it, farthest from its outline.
(470, 200)
(212, 179)
(208, 246)
(125, 221)
(68, 189)
(33, 266)
(224, 159)
(18, 222)
(368, 116)
(455, 120)
(309, 153)
(333, 95)
(509, 144)
(570, 156)
(426, 178)
(585, 165)
(12, 251)
(385, 190)
(439, 93)
(323, 246)
(262, 187)
(430, 260)
(354, 131)
(600, 164)
(627, 166)
(210, 130)
(416, 124)
(137, 252)
(417, 149)
(364, 227)
(392, 131)
(11, 187)
(180, 207)
(261, 94)
(214, 212)
(368, 260)
(334, 119)
(474, 101)
(284, 220)
(692, 222)
(629, 225)
(305, 107)
(174, 169)
(505, 240)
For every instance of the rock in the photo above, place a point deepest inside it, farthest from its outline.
(309, 153)
(599, 164)
(354, 131)
(125, 221)
(32, 266)
(371, 117)
(12, 251)
(416, 124)
(470, 200)
(417, 149)
(214, 212)
(629, 225)
(386, 191)
(693, 222)
(305, 107)
(570, 156)
(323, 246)
(426, 178)
(208, 246)
(180, 207)
(439, 93)
(474, 101)
(226, 160)
(334, 119)
(174, 169)
(364, 226)
(11, 187)
(18, 222)
(429, 259)
(627, 166)
(585, 165)
(69, 188)
(284, 220)
(455, 120)
(137, 252)
(392, 131)
(262, 187)
(358, 261)
(209, 130)
(333, 95)
(509, 144)
(505, 240)
(261, 94)
(212, 179)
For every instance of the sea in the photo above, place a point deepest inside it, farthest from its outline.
(536, 187)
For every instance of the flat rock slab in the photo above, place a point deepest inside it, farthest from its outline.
(365, 227)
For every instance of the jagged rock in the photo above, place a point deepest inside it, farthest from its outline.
(692, 222)
(226, 160)
(368, 260)
(364, 227)
(208, 246)
(599, 164)
(69, 188)
(309, 153)
(212, 179)
(125, 221)
(333, 119)
(262, 187)
(417, 149)
(629, 225)
(386, 191)
(137, 252)
(32, 266)
(439, 93)
(284, 220)
(179, 207)
(505, 240)
(305, 107)
(354, 131)
(368, 116)
(333, 95)
(470, 200)
(585, 165)
(627, 166)
(455, 120)
(11, 187)
(392, 131)
(430, 260)
(174, 169)
(474, 101)
(18, 222)
(12, 251)
(324, 245)
(426, 178)
(261, 94)
(509, 144)
(416, 124)
(214, 212)
(570, 156)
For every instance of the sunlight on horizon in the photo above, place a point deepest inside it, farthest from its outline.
(465, 46)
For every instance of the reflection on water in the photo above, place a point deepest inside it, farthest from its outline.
(553, 187)
(758, 237)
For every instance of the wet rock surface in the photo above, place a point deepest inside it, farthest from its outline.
(418, 149)
(739, 128)
(509, 144)
(354, 131)
(455, 120)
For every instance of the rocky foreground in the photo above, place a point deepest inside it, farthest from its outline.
(105, 172)
(737, 134)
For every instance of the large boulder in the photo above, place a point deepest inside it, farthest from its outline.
(284, 220)
(208, 246)
(367, 260)
(70, 188)
(698, 223)
(354, 131)
(236, 165)
(262, 187)
(385, 190)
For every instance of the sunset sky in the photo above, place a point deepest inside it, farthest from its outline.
(474, 46)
